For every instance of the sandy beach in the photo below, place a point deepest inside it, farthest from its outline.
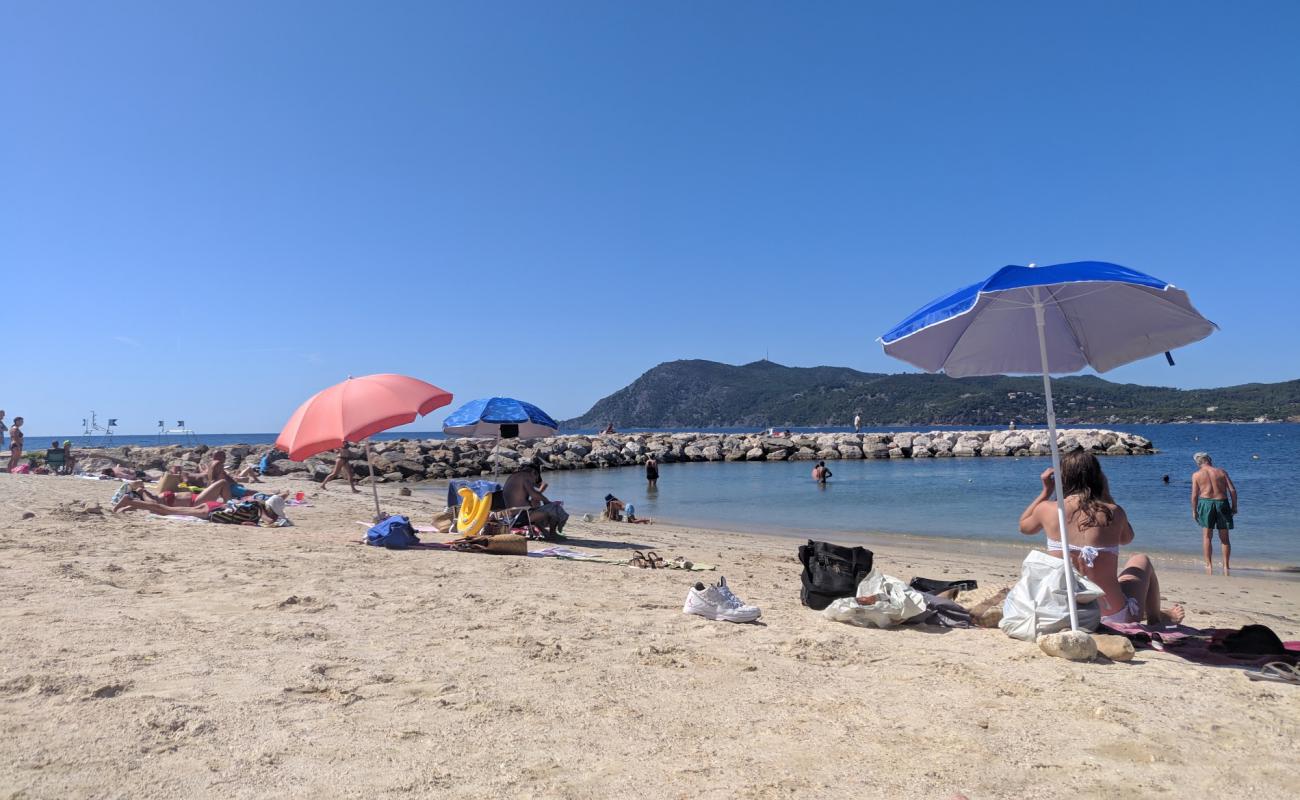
(144, 657)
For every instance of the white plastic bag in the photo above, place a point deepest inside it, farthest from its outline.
(1038, 602)
(896, 602)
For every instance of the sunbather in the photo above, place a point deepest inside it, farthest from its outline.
(1097, 527)
(251, 511)
(217, 472)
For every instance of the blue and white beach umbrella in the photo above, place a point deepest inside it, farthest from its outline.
(502, 417)
(1058, 319)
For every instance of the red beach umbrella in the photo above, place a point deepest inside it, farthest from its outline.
(354, 410)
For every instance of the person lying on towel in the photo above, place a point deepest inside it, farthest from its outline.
(268, 508)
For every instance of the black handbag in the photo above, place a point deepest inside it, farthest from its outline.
(831, 571)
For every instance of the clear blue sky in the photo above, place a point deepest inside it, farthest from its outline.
(212, 210)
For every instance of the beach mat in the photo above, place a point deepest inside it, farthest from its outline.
(1197, 645)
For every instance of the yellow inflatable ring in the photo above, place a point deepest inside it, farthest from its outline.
(474, 512)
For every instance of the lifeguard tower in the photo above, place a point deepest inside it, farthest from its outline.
(97, 435)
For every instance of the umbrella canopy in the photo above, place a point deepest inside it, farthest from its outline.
(1095, 315)
(496, 416)
(1056, 319)
(355, 410)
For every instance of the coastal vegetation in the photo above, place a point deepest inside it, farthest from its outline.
(708, 394)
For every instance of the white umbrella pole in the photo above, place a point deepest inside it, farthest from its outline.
(374, 485)
(1056, 463)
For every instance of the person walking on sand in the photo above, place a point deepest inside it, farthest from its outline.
(1214, 504)
(651, 473)
(3, 428)
(15, 443)
(342, 468)
(857, 423)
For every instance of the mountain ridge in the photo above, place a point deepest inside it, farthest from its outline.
(699, 393)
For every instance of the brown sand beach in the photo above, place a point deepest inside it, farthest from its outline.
(141, 657)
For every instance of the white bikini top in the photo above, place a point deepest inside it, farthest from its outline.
(1086, 551)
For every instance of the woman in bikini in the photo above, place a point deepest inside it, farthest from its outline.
(15, 443)
(342, 469)
(1098, 527)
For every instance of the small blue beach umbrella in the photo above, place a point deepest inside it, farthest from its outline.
(503, 417)
(1058, 319)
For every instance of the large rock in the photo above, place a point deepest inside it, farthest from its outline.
(755, 454)
(848, 451)
(1116, 648)
(875, 449)
(1013, 442)
(1070, 645)
(410, 467)
(967, 446)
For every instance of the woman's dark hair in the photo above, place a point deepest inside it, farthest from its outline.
(1081, 475)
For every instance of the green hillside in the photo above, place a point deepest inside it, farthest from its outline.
(695, 393)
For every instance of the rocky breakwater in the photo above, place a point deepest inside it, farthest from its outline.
(432, 459)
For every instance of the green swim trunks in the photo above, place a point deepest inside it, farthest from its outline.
(1214, 514)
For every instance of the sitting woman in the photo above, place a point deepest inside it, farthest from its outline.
(613, 508)
(1097, 527)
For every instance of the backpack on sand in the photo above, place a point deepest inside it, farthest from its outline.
(831, 571)
(395, 533)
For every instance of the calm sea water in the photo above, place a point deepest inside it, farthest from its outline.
(977, 498)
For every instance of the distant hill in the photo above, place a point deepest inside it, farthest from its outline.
(707, 394)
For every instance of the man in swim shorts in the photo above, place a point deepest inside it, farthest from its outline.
(1214, 504)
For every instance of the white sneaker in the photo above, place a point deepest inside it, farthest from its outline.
(717, 602)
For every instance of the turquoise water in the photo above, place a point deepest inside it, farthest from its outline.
(977, 498)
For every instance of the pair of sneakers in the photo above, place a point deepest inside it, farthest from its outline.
(720, 603)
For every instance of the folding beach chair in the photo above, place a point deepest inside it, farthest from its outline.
(56, 461)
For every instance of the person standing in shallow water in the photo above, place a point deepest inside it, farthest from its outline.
(1214, 504)
(651, 473)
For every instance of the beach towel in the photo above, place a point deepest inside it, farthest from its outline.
(176, 518)
(480, 489)
(1208, 646)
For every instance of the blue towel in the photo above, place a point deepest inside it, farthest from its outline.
(480, 488)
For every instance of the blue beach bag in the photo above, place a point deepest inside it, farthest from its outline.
(395, 533)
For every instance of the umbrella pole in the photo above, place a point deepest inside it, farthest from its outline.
(1056, 463)
(374, 485)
